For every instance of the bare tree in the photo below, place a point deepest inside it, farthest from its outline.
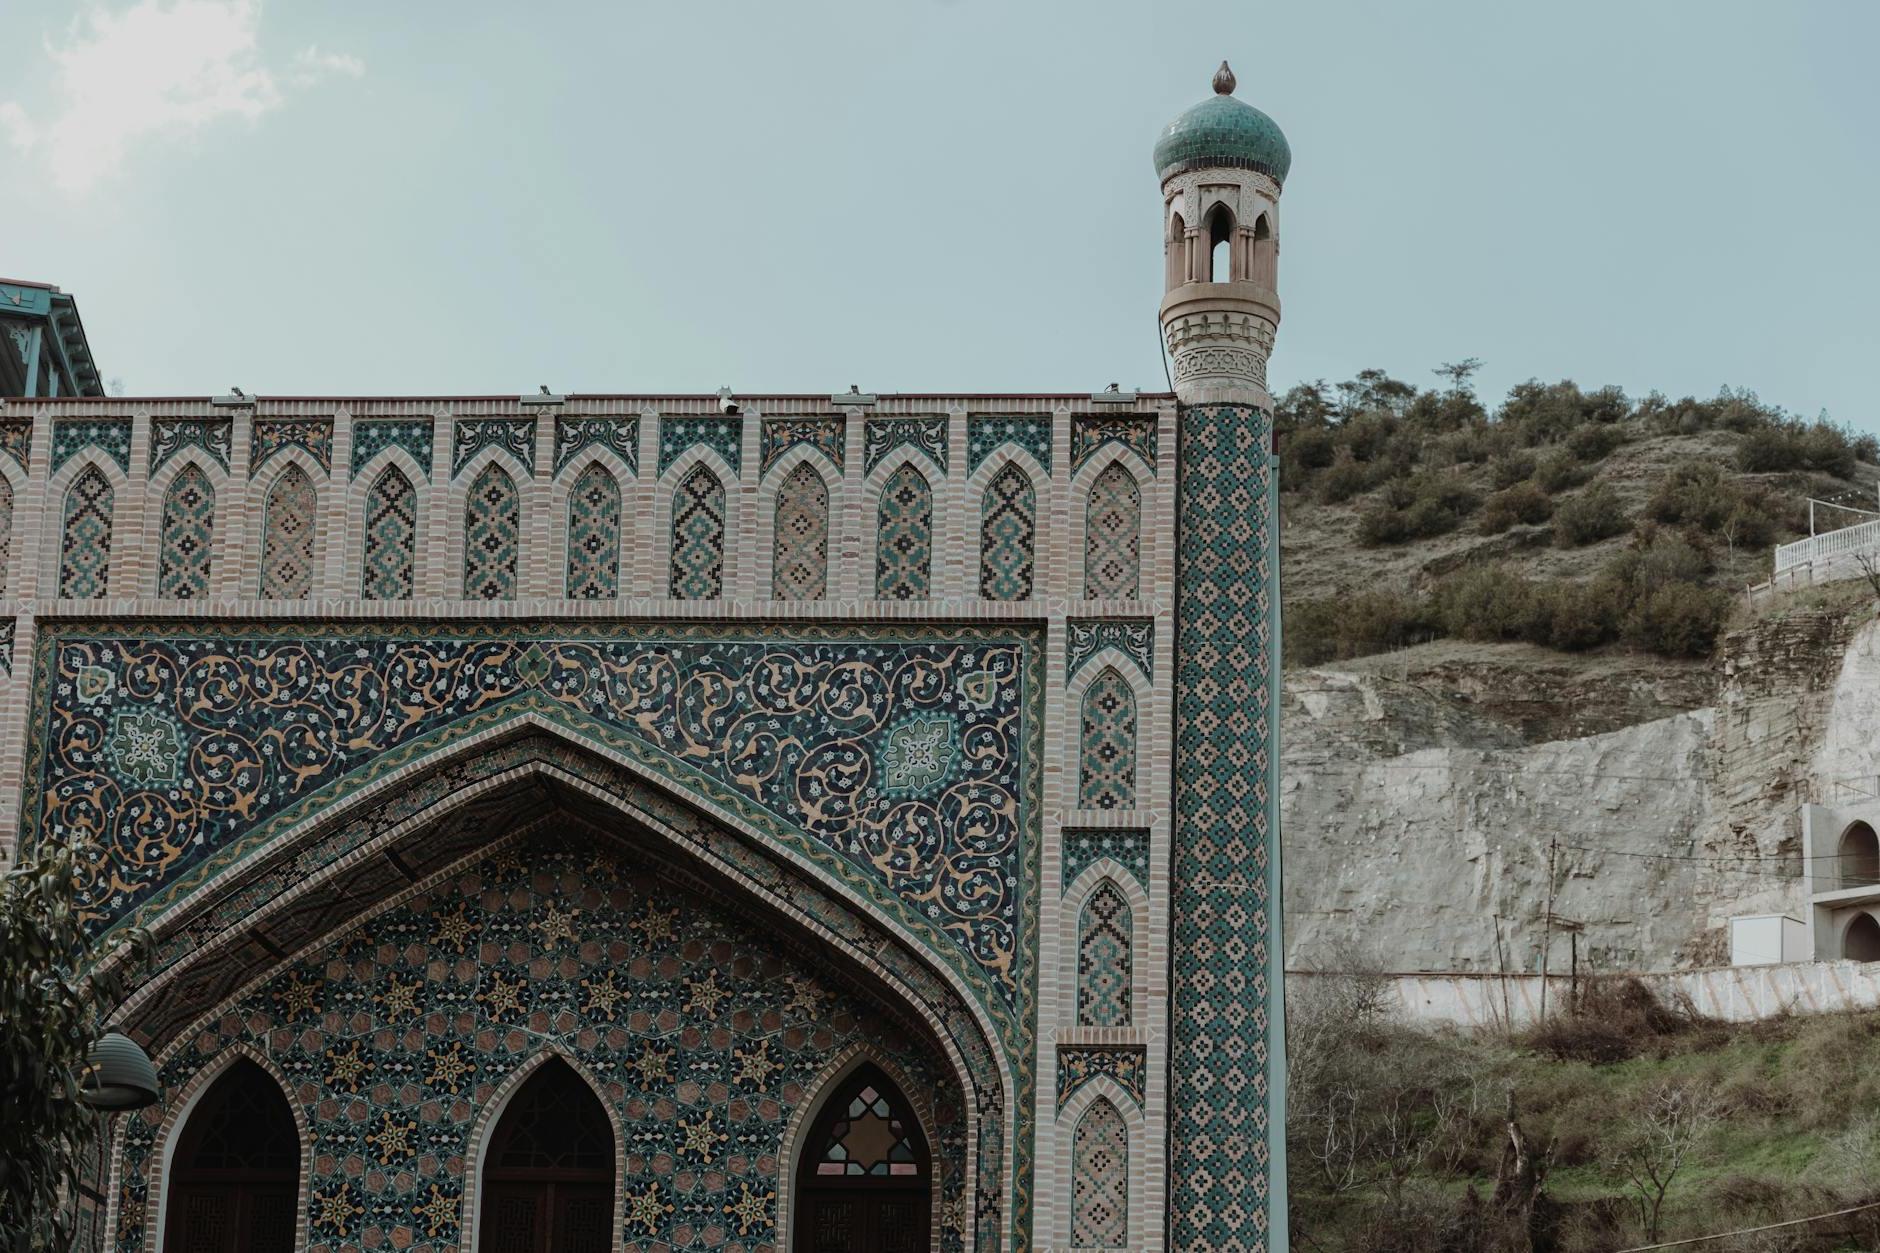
(1672, 1120)
(1458, 373)
(1869, 563)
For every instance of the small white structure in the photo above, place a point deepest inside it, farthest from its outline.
(1841, 866)
(1769, 940)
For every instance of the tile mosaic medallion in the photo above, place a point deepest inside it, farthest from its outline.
(701, 1028)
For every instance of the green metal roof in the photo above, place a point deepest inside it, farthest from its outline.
(1223, 131)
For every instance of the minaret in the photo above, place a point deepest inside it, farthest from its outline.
(1221, 164)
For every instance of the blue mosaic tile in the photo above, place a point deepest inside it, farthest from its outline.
(575, 435)
(826, 435)
(271, 435)
(111, 436)
(16, 440)
(724, 436)
(515, 436)
(169, 436)
(372, 436)
(1084, 638)
(1078, 1064)
(1090, 432)
(984, 435)
(1128, 849)
(881, 436)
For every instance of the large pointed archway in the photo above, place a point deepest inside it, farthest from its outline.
(830, 963)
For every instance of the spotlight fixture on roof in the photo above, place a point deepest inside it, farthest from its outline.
(118, 1075)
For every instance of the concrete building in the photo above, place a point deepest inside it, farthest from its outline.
(695, 821)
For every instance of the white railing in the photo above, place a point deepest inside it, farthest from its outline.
(1864, 538)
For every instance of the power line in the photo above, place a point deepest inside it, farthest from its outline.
(1745, 1231)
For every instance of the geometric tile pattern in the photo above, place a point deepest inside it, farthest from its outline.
(881, 436)
(6, 644)
(372, 436)
(1084, 638)
(492, 527)
(1107, 744)
(620, 436)
(16, 440)
(515, 436)
(314, 435)
(779, 435)
(185, 539)
(1136, 432)
(904, 537)
(1104, 934)
(984, 435)
(701, 1026)
(1007, 525)
(1128, 849)
(6, 533)
(85, 539)
(290, 520)
(594, 535)
(169, 436)
(698, 537)
(800, 551)
(1224, 964)
(680, 701)
(391, 537)
(1100, 1179)
(1112, 536)
(725, 436)
(1078, 1064)
(71, 436)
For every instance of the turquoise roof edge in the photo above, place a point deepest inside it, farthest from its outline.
(1223, 131)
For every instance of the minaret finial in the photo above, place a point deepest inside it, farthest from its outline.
(1223, 81)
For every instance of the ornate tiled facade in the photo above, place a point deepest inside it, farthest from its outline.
(724, 436)
(85, 537)
(984, 436)
(16, 441)
(391, 531)
(825, 435)
(1128, 849)
(492, 536)
(110, 436)
(1100, 1179)
(515, 436)
(6, 533)
(1104, 948)
(800, 547)
(881, 436)
(1113, 537)
(187, 538)
(1106, 759)
(1008, 527)
(215, 436)
(576, 435)
(904, 537)
(594, 535)
(312, 435)
(698, 537)
(372, 436)
(289, 523)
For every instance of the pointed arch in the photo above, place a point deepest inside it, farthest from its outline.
(290, 517)
(799, 568)
(186, 536)
(6, 532)
(85, 536)
(391, 537)
(594, 535)
(1107, 744)
(698, 537)
(904, 537)
(1008, 528)
(1113, 536)
(866, 1166)
(1105, 944)
(492, 535)
(549, 1166)
(235, 1170)
(1100, 1178)
(1221, 268)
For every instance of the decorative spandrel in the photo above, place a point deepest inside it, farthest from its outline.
(908, 756)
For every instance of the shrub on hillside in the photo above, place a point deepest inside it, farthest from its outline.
(1705, 497)
(1781, 446)
(1487, 603)
(1559, 471)
(1524, 503)
(1595, 441)
(1580, 615)
(1511, 468)
(1420, 507)
(1340, 627)
(1593, 515)
(1344, 478)
(1676, 619)
(1546, 413)
(1302, 453)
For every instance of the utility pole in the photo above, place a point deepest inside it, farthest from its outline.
(1547, 931)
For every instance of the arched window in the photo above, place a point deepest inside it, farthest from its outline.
(904, 537)
(1107, 744)
(800, 544)
(234, 1180)
(1859, 857)
(6, 531)
(188, 531)
(1862, 941)
(698, 537)
(1104, 943)
(492, 527)
(1100, 1179)
(288, 525)
(594, 535)
(865, 1178)
(1008, 522)
(1221, 245)
(1113, 536)
(391, 537)
(1265, 254)
(85, 540)
(548, 1181)
(1177, 255)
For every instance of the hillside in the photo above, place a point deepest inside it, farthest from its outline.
(1576, 521)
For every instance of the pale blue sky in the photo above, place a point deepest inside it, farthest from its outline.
(425, 198)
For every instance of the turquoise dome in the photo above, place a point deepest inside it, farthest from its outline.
(1222, 131)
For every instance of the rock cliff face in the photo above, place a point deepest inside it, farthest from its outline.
(1423, 791)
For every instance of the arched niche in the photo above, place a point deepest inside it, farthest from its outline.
(233, 1181)
(1861, 941)
(864, 1179)
(1858, 857)
(549, 1172)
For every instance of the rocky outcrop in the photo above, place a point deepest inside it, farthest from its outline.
(1423, 794)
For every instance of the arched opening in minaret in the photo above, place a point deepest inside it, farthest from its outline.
(1221, 244)
(1264, 270)
(1862, 941)
(1177, 251)
(1858, 862)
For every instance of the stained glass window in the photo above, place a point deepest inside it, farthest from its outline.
(869, 1137)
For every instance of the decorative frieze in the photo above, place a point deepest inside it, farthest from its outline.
(169, 436)
(881, 436)
(515, 436)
